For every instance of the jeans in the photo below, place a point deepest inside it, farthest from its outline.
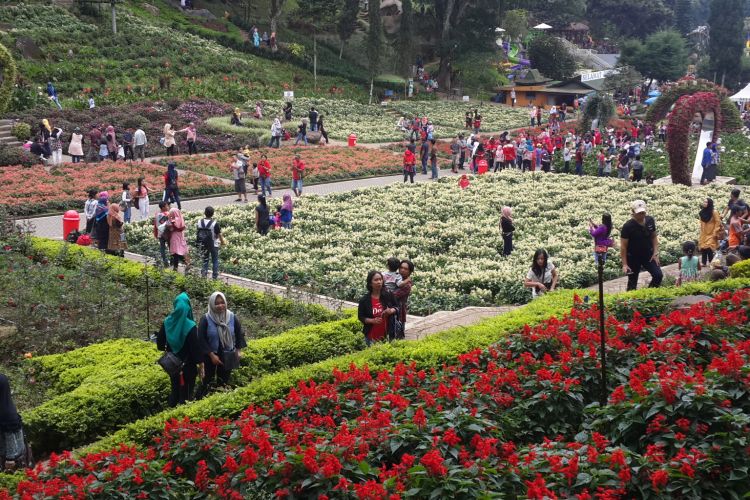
(129, 152)
(57, 102)
(434, 168)
(424, 164)
(275, 139)
(301, 137)
(76, 159)
(313, 127)
(164, 250)
(172, 195)
(265, 183)
(297, 185)
(93, 153)
(579, 168)
(191, 148)
(635, 264)
(128, 213)
(212, 252)
(171, 150)
(600, 172)
(409, 174)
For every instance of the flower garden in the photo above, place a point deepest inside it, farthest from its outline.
(519, 417)
(450, 234)
(321, 164)
(33, 190)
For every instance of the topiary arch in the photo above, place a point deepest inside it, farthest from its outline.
(598, 107)
(678, 130)
(8, 75)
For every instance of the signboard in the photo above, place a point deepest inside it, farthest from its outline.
(596, 75)
(289, 94)
(466, 98)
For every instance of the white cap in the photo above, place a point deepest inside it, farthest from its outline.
(639, 206)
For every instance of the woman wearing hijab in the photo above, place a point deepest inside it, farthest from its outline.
(262, 224)
(169, 142)
(75, 148)
(711, 226)
(111, 138)
(102, 224)
(287, 212)
(221, 332)
(12, 442)
(116, 243)
(179, 335)
(507, 228)
(178, 247)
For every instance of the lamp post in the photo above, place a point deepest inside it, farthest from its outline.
(601, 254)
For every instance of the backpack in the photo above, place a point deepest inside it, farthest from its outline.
(205, 235)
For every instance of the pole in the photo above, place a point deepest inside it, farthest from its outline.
(603, 347)
(114, 18)
(315, 59)
(372, 82)
(148, 306)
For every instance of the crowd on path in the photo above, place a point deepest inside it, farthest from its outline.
(314, 121)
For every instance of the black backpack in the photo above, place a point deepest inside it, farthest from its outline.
(205, 236)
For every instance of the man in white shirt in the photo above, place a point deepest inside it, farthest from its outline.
(139, 144)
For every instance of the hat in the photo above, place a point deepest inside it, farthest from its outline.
(639, 206)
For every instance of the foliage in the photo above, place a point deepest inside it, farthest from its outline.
(478, 70)
(678, 129)
(405, 39)
(347, 22)
(440, 238)
(488, 410)
(730, 116)
(740, 269)
(726, 43)
(551, 57)
(12, 155)
(516, 24)
(662, 57)
(21, 131)
(634, 19)
(623, 80)
(8, 77)
(598, 107)
(683, 16)
(374, 38)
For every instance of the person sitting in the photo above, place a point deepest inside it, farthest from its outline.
(236, 117)
(542, 276)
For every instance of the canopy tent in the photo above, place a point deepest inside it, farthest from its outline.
(742, 96)
(654, 93)
(651, 100)
(390, 79)
(542, 26)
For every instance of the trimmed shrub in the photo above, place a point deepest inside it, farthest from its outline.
(21, 131)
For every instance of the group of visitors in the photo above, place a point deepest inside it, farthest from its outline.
(383, 309)
(104, 143)
(264, 39)
(209, 349)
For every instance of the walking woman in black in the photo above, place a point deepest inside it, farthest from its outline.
(507, 228)
(321, 129)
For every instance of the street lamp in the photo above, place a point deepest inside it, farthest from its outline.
(601, 255)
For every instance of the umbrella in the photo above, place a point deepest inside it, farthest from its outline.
(543, 26)
(651, 100)
(654, 93)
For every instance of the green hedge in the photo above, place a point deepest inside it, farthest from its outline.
(102, 387)
(132, 274)
(429, 352)
(740, 269)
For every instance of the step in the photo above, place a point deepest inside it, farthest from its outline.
(12, 144)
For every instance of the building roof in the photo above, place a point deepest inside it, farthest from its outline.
(532, 77)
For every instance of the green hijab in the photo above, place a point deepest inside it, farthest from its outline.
(179, 323)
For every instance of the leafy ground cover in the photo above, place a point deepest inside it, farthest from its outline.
(518, 418)
(451, 235)
(451, 114)
(322, 164)
(33, 190)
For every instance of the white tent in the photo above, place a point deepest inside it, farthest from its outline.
(542, 26)
(742, 96)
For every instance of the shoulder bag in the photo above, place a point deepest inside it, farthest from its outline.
(171, 363)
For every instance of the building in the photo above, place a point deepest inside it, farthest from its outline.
(537, 90)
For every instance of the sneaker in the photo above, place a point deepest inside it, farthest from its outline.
(238, 199)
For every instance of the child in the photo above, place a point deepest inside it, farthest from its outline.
(89, 210)
(103, 151)
(392, 278)
(256, 177)
(601, 234)
(689, 264)
(276, 218)
(126, 201)
(463, 183)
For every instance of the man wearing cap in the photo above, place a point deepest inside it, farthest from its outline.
(639, 247)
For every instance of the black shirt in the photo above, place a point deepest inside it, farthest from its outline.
(639, 237)
(506, 226)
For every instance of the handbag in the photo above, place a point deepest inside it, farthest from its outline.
(171, 363)
(230, 359)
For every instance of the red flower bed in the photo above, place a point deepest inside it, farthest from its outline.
(32, 190)
(323, 164)
(517, 420)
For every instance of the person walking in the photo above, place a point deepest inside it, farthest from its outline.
(126, 201)
(275, 141)
(455, 147)
(179, 335)
(623, 165)
(178, 247)
(75, 148)
(209, 239)
(52, 94)
(298, 175)
(301, 132)
(116, 244)
(506, 229)
(161, 231)
(262, 223)
(424, 154)
(169, 142)
(139, 144)
(710, 228)
(433, 160)
(707, 164)
(375, 309)
(191, 135)
(637, 167)
(140, 199)
(264, 170)
(321, 129)
(171, 189)
(221, 332)
(639, 247)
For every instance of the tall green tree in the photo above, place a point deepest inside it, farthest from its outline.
(662, 57)
(347, 22)
(683, 16)
(725, 45)
(551, 57)
(516, 23)
(631, 19)
(405, 41)
(374, 40)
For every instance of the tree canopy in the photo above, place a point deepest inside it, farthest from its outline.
(726, 42)
(551, 57)
(662, 57)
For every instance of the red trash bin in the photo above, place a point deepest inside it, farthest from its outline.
(71, 222)
(352, 140)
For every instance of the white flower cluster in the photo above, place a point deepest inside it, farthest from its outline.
(450, 234)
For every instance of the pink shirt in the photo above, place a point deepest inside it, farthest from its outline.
(190, 134)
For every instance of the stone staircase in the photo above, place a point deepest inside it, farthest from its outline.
(6, 138)
(443, 320)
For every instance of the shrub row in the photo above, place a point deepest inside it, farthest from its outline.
(104, 386)
(740, 269)
(430, 352)
(132, 274)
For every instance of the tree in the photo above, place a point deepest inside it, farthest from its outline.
(631, 19)
(662, 57)
(599, 107)
(8, 75)
(274, 12)
(551, 57)
(726, 42)
(683, 16)
(347, 23)
(374, 41)
(516, 24)
(405, 41)
(622, 80)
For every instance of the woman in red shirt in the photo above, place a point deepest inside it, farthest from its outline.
(264, 171)
(410, 162)
(376, 308)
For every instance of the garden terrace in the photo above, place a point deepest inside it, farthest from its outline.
(450, 234)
